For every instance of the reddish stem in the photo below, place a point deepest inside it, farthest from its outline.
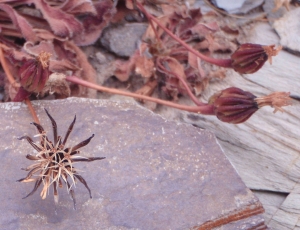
(32, 111)
(5, 67)
(203, 109)
(219, 62)
(12, 81)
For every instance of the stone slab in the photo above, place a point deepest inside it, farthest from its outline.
(157, 174)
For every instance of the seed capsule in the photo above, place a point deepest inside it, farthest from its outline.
(34, 73)
(249, 58)
(233, 105)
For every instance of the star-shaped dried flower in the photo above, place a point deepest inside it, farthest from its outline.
(54, 162)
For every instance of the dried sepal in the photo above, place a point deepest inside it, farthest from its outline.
(275, 100)
(54, 162)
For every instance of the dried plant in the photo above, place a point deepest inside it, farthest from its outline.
(233, 105)
(176, 56)
(54, 162)
(54, 27)
(169, 54)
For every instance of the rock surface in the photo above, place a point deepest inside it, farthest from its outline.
(157, 174)
(239, 6)
(288, 28)
(123, 40)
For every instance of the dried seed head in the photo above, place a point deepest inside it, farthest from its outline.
(275, 100)
(233, 105)
(249, 58)
(34, 73)
(54, 162)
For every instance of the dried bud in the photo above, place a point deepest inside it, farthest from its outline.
(233, 105)
(275, 100)
(34, 73)
(249, 58)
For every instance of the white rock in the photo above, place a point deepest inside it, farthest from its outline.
(288, 28)
(229, 5)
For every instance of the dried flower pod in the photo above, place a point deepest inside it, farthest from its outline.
(233, 105)
(249, 58)
(34, 73)
(54, 162)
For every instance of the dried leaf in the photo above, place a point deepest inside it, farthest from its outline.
(19, 22)
(62, 24)
(87, 72)
(124, 69)
(93, 25)
(78, 7)
(195, 62)
(144, 66)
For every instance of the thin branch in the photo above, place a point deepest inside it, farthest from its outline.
(219, 62)
(5, 67)
(203, 109)
(32, 111)
(155, 32)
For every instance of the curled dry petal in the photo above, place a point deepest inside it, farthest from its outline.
(249, 58)
(275, 100)
(234, 105)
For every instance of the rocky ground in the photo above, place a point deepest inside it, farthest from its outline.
(264, 150)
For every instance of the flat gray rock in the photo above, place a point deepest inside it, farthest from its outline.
(157, 174)
(123, 40)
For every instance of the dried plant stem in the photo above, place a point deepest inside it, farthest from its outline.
(203, 109)
(155, 31)
(10, 78)
(32, 111)
(219, 62)
(12, 81)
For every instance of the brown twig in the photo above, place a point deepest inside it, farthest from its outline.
(10, 78)
(219, 62)
(203, 109)
(12, 81)
(155, 32)
(32, 111)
